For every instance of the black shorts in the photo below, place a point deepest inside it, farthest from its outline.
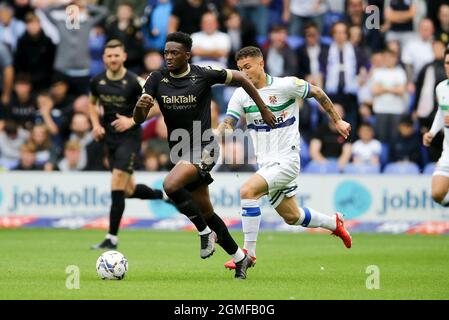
(203, 168)
(122, 154)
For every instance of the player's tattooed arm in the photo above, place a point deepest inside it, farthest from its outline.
(239, 79)
(226, 127)
(342, 126)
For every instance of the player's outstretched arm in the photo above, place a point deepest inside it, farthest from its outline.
(142, 108)
(342, 126)
(226, 127)
(239, 79)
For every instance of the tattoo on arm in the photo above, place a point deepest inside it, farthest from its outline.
(327, 104)
(227, 124)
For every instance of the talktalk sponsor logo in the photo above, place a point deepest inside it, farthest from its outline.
(52, 196)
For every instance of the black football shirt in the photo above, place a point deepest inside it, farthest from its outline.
(184, 101)
(117, 97)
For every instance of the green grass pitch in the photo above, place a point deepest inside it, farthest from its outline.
(166, 265)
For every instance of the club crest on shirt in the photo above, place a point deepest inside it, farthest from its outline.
(272, 99)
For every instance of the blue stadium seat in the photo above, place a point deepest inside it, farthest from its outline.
(403, 168)
(429, 168)
(329, 167)
(352, 168)
(304, 153)
(295, 41)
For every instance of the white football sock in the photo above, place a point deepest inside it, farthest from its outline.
(239, 255)
(251, 217)
(205, 231)
(114, 239)
(311, 218)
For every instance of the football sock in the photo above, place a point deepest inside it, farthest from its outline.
(114, 239)
(117, 208)
(144, 192)
(311, 218)
(224, 238)
(183, 201)
(239, 255)
(251, 217)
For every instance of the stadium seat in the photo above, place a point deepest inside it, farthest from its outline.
(384, 155)
(304, 153)
(352, 168)
(328, 167)
(403, 168)
(429, 168)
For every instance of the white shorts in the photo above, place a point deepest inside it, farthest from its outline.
(442, 166)
(281, 178)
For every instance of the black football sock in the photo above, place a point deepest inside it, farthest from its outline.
(224, 238)
(144, 192)
(183, 201)
(117, 208)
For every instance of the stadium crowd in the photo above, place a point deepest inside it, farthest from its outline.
(379, 61)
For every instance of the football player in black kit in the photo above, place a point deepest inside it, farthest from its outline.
(183, 93)
(117, 91)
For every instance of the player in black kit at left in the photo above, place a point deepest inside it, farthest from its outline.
(183, 93)
(117, 91)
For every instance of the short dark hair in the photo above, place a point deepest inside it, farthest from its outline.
(248, 52)
(182, 38)
(114, 43)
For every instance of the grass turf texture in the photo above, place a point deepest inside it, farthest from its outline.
(166, 265)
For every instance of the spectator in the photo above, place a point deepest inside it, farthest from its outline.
(442, 33)
(210, 47)
(186, 15)
(46, 153)
(389, 91)
(50, 117)
(407, 144)
(312, 56)
(418, 53)
(124, 26)
(241, 34)
(35, 54)
(22, 108)
(137, 5)
(11, 138)
(11, 29)
(63, 104)
(6, 79)
(22, 8)
(299, 12)
(343, 67)
(255, 11)
(152, 61)
(27, 158)
(327, 144)
(398, 15)
(280, 59)
(425, 102)
(72, 54)
(81, 132)
(366, 150)
(155, 25)
(72, 157)
(233, 158)
(97, 40)
(151, 160)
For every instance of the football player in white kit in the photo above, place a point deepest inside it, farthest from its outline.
(277, 150)
(440, 179)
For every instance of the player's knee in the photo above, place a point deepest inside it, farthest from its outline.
(129, 191)
(438, 196)
(247, 193)
(170, 187)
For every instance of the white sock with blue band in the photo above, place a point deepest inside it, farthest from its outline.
(251, 217)
(310, 218)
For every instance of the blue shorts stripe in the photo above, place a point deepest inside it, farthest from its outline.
(307, 218)
(284, 124)
(251, 212)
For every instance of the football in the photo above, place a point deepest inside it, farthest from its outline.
(112, 265)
